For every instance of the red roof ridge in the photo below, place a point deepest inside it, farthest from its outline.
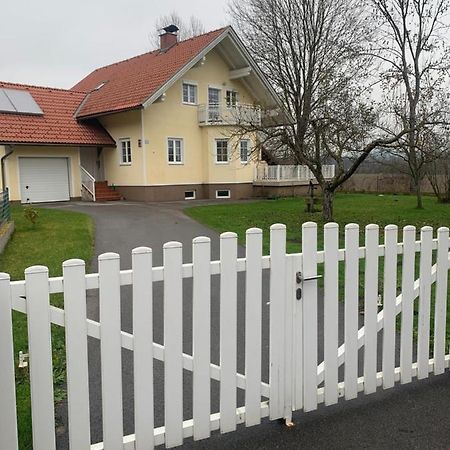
(157, 50)
(48, 88)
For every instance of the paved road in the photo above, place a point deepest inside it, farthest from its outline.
(416, 416)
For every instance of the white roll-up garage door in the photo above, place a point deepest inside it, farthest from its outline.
(44, 180)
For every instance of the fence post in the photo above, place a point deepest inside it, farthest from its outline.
(309, 300)
(143, 347)
(423, 338)
(331, 311)
(76, 353)
(201, 336)
(371, 308)
(111, 350)
(40, 351)
(278, 172)
(351, 310)
(440, 311)
(228, 331)
(406, 333)
(253, 318)
(389, 297)
(173, 343)
(8, 420)
(278, 299)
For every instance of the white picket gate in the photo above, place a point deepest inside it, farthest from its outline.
(297, 380)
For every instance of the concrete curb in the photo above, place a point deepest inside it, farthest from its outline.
(6, 234)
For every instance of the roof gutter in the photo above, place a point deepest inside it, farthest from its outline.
(9, 151)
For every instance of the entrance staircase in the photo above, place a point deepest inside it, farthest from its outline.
(105, 193)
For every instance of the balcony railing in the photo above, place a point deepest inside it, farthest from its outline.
(289, 173)
(229, 115)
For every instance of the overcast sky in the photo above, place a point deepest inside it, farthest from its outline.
(57, 42)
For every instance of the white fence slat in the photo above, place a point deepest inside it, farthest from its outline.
(75, 324)
(40, 351)
(371, 308)
(440, 311)
(173, 343)
(389, 297)
(8, 422)
(228, 331)
(277, 309)
(111, 350)
(351, 310)
(292, 352)
(331, 311)
(423, 339)
(201, 316)
(253, 325)
(407, 320)
(143, 347)
(309, 300)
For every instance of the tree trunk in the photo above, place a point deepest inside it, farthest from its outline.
(418, 191)
(327, 207)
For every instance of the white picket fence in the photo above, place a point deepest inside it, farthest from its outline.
(297, 380)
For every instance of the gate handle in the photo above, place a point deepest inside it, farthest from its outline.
(299, 278)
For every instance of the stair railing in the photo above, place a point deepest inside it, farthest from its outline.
(88, 182)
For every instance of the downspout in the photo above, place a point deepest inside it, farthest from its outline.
(9, 151)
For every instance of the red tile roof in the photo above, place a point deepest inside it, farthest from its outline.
(57, 125)
(129, 83)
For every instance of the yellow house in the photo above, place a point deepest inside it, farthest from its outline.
(165, 125)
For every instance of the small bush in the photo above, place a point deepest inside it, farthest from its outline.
(31, 214)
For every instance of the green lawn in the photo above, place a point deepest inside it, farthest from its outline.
(349, 208)
(56, 237)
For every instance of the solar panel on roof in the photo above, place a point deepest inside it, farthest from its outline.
(22, 101)
(5, 103)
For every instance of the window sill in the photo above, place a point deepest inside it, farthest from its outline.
(222, 162)
(125, 164)
(189, 104)
(175, 163)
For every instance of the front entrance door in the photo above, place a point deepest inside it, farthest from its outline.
(91, 159)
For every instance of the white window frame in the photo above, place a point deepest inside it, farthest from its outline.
(247, 141)
(175, 162)
(223, 196)
(195, 86)
(190, 198)
(236, 99)
(129, 152)
(228, 151)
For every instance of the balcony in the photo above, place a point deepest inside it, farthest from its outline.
(229, 115)
(287, 175)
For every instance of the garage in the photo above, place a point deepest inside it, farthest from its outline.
(44, 180)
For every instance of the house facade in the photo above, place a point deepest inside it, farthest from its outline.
(161, 126)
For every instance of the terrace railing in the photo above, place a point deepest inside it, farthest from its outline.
(290, 173)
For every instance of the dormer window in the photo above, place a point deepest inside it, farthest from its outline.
(231, 98)
(189, 93)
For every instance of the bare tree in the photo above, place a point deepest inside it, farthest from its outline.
(438, 170)
(315, 54)
(188, 28)
(412, 47)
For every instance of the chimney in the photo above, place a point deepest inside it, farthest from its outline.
(169, 37)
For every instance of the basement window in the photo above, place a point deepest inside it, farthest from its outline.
(223, 193)
(189, 195)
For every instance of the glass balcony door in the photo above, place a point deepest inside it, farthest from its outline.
(214, 95)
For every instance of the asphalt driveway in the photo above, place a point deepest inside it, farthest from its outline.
(413, 416)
